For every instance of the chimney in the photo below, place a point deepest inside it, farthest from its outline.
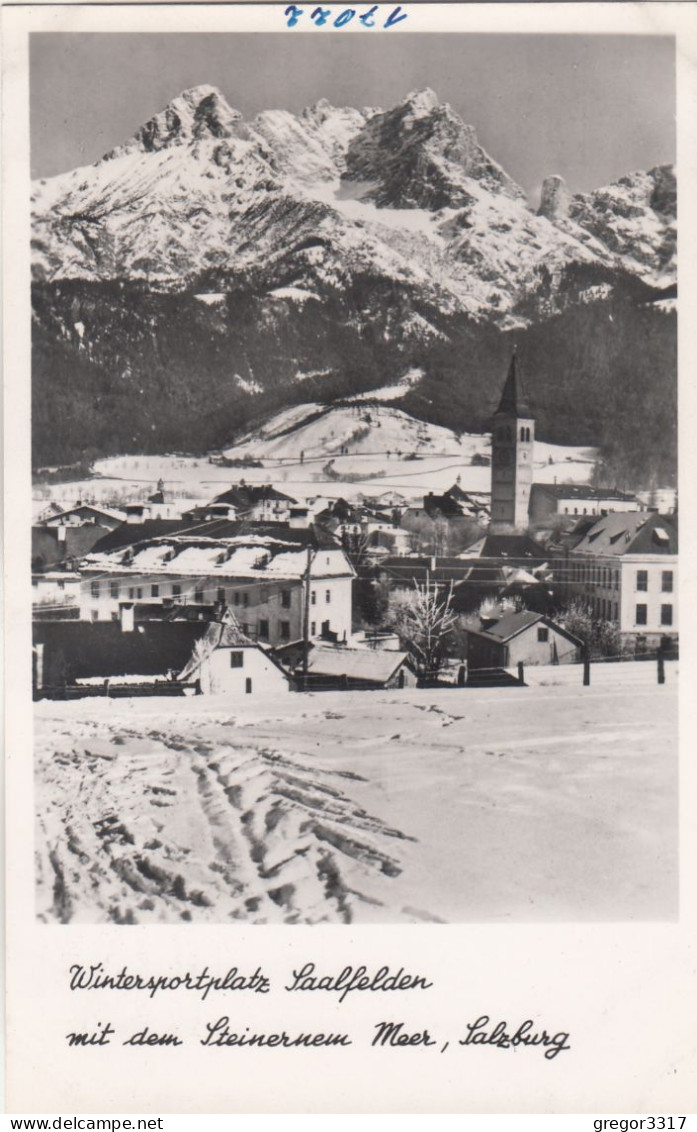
(127, 612)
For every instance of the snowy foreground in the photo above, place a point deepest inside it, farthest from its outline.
(550, 802)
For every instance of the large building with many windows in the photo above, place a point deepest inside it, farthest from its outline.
(625, 569)
(272, 583)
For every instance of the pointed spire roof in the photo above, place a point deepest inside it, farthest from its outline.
(514, 400)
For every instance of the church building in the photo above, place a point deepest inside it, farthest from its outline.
(512, 448)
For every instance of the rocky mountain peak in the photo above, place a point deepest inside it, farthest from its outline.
(420, 154)
(197, 113)
(555, 199)
(420, 102)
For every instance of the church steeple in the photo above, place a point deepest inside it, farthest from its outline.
(514, 401)
(512, 453)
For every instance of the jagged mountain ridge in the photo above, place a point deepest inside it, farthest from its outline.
(408, 194)
(211, 270)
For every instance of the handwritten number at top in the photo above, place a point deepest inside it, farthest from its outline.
(323, 16)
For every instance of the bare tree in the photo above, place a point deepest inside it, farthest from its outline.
(424, 621)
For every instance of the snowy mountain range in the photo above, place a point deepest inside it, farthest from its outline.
(211, 270)
(304, 204)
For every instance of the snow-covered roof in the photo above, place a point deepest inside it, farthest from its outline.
(630, 532)
(237, 557)
(361, 663)
(82, 508)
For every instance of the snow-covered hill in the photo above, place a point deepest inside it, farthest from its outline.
(312, 430)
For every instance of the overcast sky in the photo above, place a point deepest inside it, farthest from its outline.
(589, 108)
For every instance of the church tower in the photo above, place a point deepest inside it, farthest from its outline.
(512, 447)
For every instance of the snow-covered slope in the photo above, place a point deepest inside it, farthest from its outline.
(312, 430)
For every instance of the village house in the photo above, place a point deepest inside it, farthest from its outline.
(273, 582)
(258, 502)
(551, 499)
(625, 569)
(159, 505)
(520, 638)
(86, 513)
(209, 512)
(225, 661)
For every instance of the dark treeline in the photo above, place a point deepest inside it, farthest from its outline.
(117, 369)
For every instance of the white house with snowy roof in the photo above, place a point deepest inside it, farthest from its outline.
(269, 582)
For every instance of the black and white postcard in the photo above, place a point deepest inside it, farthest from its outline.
(346, 765)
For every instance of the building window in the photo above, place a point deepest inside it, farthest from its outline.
(642, 580)
(285, 599)
(114, 617)
(617, 579)
(131, 592)
(245, 599)
(264, 593)
(245, 628)
(236, 659)
(284, 630)
(667, 581)
(95, 615)
(176, 590)
(220, 593)
(264, 630)
(236, 599)
(113, 589)
(139, 591)
(666, 615)
(327, 596)
(542, 634)
(640, 616)
(198, 596)
(313, 597)
(154, 590)
(313, 628)
(616, 614)
(94, 589)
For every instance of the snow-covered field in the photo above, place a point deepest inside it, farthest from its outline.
(383, 448)
(550, 802)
